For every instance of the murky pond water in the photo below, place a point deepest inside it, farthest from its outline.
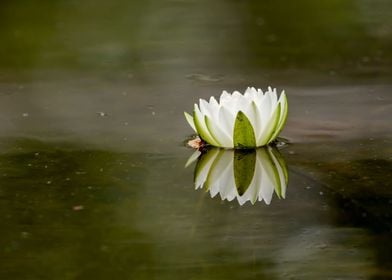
(93, 183)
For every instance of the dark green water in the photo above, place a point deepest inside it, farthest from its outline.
(92, 177)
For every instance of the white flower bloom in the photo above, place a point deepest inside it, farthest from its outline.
(251, 175)
(248, 120)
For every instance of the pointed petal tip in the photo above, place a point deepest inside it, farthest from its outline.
(189, 119)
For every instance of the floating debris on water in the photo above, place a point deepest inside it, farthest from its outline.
(102, 114)
(78, 207)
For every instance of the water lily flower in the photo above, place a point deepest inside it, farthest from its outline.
(245, 175)
(248, 120)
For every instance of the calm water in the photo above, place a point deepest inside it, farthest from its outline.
(92, 176)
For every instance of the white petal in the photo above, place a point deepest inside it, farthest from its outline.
(224, 96)
(264, 113)
(218, 133)
(242, 104)
(253, 94)
(256, 120)
(247, 92)
(226, 119)
(205, 108)
(236, 94)
(250, 93)
(213, 102)
(202, 127)
(274, 98)
(270, 128)
(211, 111)
(283, 115)
(214, 107)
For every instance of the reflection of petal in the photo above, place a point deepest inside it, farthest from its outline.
(203, 167)
(224, 172)
(252, 175)
(192, 158)
(266, 189)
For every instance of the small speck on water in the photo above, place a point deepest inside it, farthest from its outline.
(78, 207)
(321, 193)
(25, 115)
(102, 114)
(153, 113)
(49, 182)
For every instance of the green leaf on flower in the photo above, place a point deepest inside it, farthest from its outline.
(244, 169)
(243, 135)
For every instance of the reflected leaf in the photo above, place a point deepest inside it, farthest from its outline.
(244, 169)
(245, 175)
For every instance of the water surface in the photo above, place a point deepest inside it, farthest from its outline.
(92, 177)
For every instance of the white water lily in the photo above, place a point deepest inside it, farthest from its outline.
(252, 175)
(248, 120)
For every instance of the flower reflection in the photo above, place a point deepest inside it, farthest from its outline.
(252, 175)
